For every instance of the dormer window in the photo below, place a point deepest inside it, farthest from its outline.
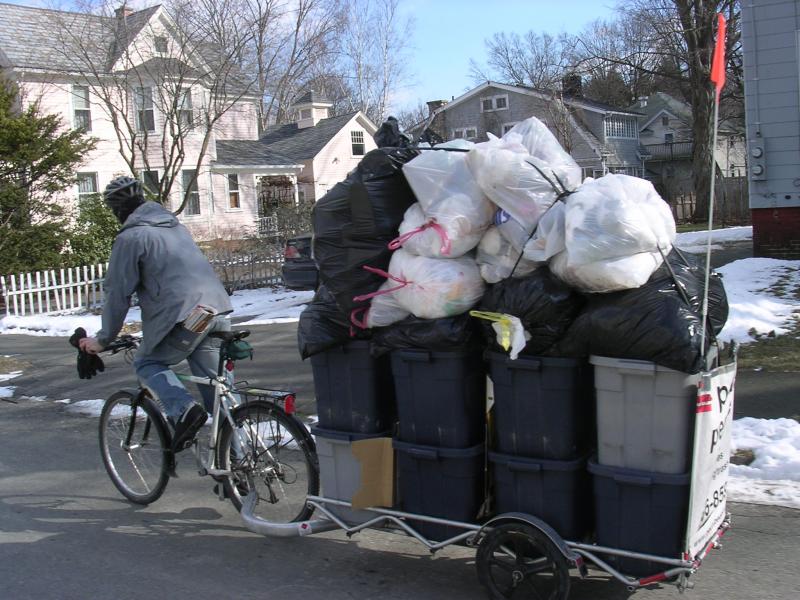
(493, 103)
(161, 44)
(305, 113)
(621, 127)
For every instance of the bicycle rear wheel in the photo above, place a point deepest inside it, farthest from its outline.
(134, 445)
(272, 452)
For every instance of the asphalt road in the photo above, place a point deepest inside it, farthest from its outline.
(66, 533)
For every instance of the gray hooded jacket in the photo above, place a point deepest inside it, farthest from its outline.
(156, 257)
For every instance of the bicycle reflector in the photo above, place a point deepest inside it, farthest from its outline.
(288, 404)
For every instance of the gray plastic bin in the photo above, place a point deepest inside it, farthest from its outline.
(645, 415)
(340, 471)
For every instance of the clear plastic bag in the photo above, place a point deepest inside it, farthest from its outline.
(453, 227)
(607, 275)
(438, 174)
(428, 288)
(497, 258)
(524, 171)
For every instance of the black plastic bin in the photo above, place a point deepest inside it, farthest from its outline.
(441, 397)
(558, 492)
(355, 391)
(641, 511)
(543, 407)
(440, 482)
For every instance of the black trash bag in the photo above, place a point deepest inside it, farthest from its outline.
(323, 325)
(436, 335)
(389, 135)
(654, 322)
(354, 222)
(543, 303)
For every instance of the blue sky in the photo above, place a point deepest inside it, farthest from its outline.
(448, 33)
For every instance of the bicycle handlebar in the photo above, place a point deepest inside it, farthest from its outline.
(123, 342)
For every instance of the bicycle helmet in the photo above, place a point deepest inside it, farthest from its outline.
(123, 195)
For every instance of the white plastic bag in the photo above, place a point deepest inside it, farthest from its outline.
(549, 237)
(429, 288)
(496, 258)
(616, 216)
(524, 171)
(438, 174)
(607, 275)
(454, 226)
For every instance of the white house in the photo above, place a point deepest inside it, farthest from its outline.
(147, 96)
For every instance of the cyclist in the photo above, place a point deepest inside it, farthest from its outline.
(181, 300)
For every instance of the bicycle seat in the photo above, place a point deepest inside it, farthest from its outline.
(230, 336)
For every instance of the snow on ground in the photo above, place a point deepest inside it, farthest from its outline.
(696, 241)
(753, 305)
(774, 476)
(264, 306)
(7, 391)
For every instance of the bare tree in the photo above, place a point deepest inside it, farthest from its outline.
(533, 59)
(290, 39)
(682, 35)
(183, 66)
(373, 42)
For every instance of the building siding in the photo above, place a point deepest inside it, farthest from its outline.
(332, 164)
(772, 100)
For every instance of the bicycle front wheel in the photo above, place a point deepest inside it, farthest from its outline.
(134, 445)
(273, 453)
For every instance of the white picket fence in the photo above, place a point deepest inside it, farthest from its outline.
(54, 291)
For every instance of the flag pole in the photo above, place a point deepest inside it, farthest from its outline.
(718, 77)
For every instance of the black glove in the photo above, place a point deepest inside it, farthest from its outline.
(77, 336)
(88, 364)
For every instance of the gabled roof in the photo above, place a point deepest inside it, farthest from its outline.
(304, 144)
(240, 153)
(311, 98)
(573, 101)
(659, 103)
(29, 36)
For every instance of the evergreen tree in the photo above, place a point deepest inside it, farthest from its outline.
(38, 159)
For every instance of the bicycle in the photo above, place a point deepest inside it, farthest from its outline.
(257, 444)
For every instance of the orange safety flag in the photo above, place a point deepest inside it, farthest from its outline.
(718, 61)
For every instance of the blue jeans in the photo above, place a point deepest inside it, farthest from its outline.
(202, 354)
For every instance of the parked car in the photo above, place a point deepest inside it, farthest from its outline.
(299, 270)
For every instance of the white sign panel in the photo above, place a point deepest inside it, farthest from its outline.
(711, 457)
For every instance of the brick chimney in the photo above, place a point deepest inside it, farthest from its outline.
(123, 11)
(434, 105)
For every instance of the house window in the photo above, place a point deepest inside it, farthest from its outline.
(508, 127)
(494, 103)
(161, 44)
(665, 120)
(305, 113)
(357, 140)
(185, 118)
(87, 186)
(143, 105)
(150, 182)
(301, 194)
(669, 138)
(83, 112)
(621, 127)
(468, 133)
(190, 184)
(233, 191)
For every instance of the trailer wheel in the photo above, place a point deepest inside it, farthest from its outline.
(517, 562)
